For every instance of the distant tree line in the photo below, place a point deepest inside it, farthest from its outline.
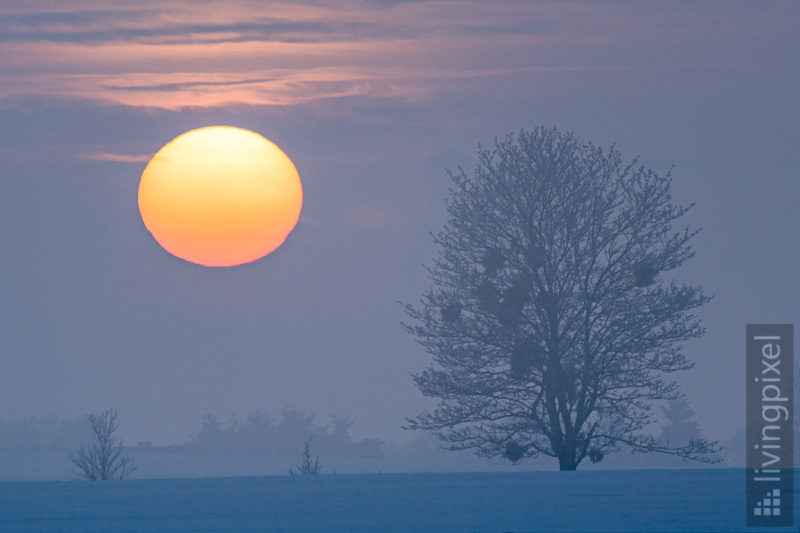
(678, 427)
(735, 455)
(259, 432)
(43, 434)
(285, 435)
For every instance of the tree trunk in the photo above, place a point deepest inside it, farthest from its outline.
(566, 459)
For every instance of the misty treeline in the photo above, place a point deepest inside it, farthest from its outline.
(43, 434)
(737, 443)
(260, 432)
(677, 426)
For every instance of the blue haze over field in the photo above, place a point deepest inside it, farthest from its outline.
(96, 315)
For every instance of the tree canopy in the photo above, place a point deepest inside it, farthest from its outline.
(552, 319)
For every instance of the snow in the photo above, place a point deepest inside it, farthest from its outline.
(623, 500)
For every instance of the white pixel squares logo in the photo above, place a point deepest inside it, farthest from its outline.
(770, 505)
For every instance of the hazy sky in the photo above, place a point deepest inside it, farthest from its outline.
(372, 100)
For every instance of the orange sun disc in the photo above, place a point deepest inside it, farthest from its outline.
(220, 196)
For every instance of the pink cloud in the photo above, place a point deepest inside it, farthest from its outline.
(173, 55)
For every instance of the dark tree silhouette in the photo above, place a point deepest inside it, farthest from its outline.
(310, 466)
(103, 459)
(551, 320)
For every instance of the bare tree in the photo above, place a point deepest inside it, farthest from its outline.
(103, 458)
(309, 466)
(551, 321)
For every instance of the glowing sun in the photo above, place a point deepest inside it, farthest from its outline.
(220, 196)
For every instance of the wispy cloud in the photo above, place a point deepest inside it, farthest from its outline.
(116, 158)
(175, 54)
(182, 53)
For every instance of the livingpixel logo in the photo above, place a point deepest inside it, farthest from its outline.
(770, 424)
(770, 505)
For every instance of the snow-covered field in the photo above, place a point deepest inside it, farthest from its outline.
(625, 500)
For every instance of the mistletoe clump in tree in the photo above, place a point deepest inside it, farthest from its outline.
(551, 320)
